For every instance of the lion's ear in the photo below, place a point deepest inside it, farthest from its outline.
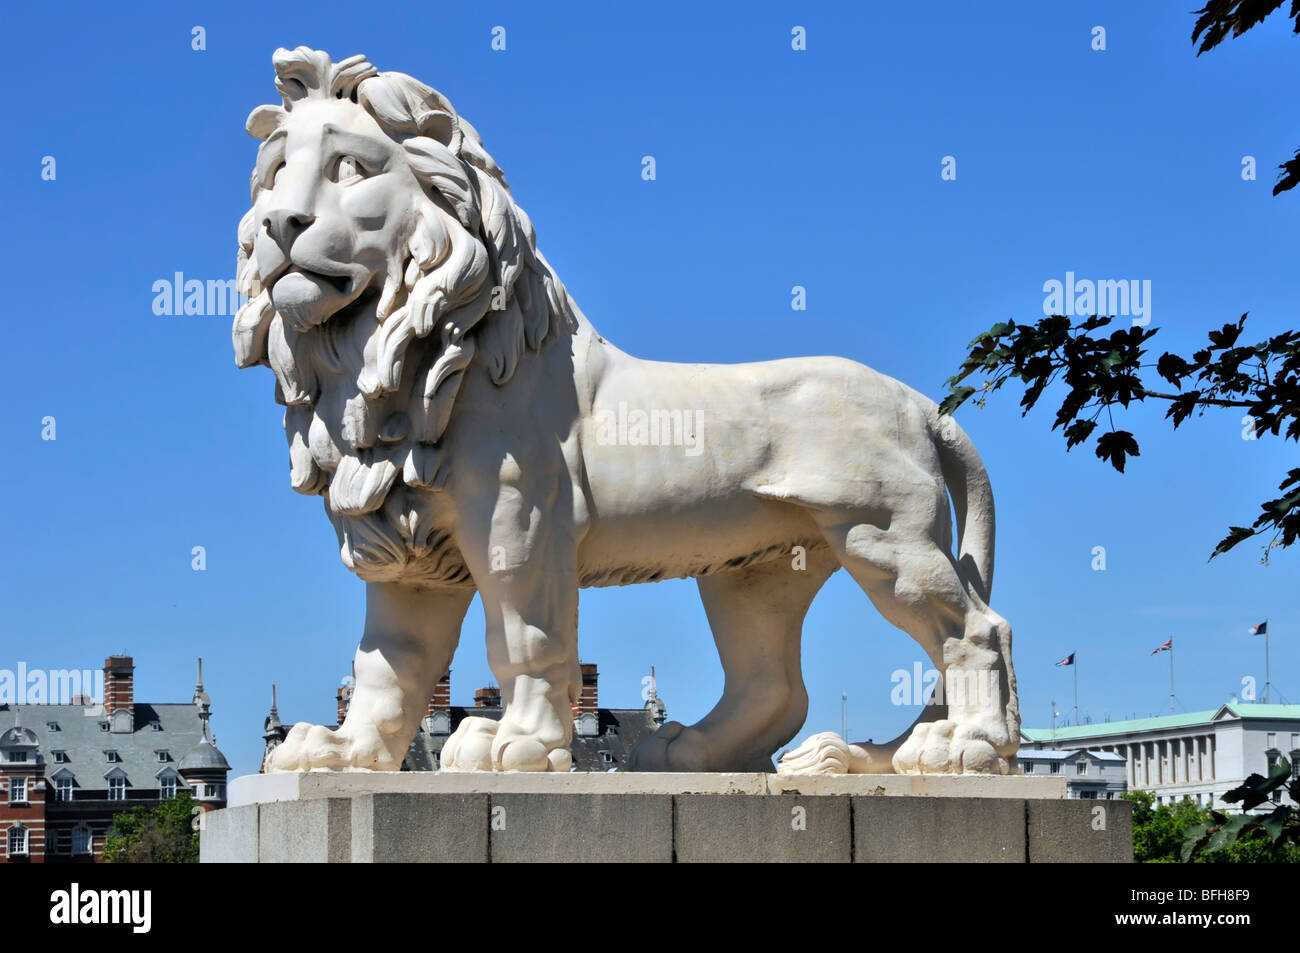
(264, 120)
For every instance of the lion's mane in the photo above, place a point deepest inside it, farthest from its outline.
(368, 398)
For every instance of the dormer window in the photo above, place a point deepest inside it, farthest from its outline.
(155, 726)
(103, 726)
(112, 757)
(117, 788)
(63, 788)
(162, 756)
(52, 726)
(17, 757)
(167, 786)
(60, 757)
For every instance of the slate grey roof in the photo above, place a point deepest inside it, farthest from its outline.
(619, 730)
(204, 757)
(79, 735)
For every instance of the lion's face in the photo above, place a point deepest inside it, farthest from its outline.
(335, 211)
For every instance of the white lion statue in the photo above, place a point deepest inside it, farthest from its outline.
(471, 431)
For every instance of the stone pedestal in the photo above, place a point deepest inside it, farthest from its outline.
(364, 817)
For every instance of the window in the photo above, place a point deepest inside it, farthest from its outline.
(162, 755)
(117, 789)
(217, 791)
(167, 786)
(1056, 767)
(1027, 767)
(18, 841)
(52, 725)
(606, 757)
(81, 840)
(17, 757)
(17, 790)
(1081, 767)
(63, 788)
(1088, 795)
(156, 726)
(103, 726)
(60, 757)
(1272, 739)
(63, 841)
(112, 757)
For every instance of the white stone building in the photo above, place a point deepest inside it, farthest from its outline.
(1200, 755)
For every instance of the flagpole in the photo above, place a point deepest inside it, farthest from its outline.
(1171, 676)
(1075, 666)
(1266, 672)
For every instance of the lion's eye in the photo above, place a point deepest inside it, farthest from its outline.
(270, 176)
(348, 169)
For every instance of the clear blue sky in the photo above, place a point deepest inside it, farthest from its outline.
(775, 168)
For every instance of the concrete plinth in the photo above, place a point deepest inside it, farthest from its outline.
(365, 817)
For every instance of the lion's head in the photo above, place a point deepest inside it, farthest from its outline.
(382, 255)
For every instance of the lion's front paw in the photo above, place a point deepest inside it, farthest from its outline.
(949, 747)
(479, 744)
(674, 747)
(310, 747)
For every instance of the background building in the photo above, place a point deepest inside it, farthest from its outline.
(1200, 755)
(66, 770)
(1089, 775)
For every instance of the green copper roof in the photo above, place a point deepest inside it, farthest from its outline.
(1188, 720)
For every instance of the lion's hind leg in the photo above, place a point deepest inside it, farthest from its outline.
(916, 585)
(756, 614)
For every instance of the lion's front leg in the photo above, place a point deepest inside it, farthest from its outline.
(524, 563)
(409, 639)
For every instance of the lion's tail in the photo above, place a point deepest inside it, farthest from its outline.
(972, 499)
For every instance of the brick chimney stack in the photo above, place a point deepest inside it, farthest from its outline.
(441, 699)
(587, 701)
(487, 698)
(343, 698)
(119, 684)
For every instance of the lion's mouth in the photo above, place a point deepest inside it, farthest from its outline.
(340, 283)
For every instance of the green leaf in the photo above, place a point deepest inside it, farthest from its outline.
(954, 400)
(1116, 446)
(1228, 833)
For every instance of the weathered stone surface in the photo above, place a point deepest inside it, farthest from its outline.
(305, 832)
(1073, 831)
(712, 828)
(285, 786)
(229, 836)
(563, 826)
(419, 828)
(939, 830)
(576, 828)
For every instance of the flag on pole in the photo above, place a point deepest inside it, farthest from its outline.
(1261, 629)
(1166, 646)
(1068, 660)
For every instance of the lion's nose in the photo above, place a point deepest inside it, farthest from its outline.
(284, 225)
